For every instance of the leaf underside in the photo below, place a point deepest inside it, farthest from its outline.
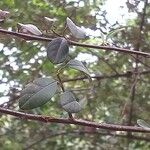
(75, 30)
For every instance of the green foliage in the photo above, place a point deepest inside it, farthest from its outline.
(24, 62)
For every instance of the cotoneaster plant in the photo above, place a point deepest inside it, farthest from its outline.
(41, 90)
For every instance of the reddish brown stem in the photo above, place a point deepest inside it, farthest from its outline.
(107, 48)
(49, 119)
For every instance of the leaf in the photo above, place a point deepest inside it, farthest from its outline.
(78, 66)
(3, 14)
(37, 93)
(68, 102)
(50, 20)
(75, 30)
(29, 29)
(143, 124)
(111, 33)
(57, 50)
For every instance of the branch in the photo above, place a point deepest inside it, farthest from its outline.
(32, 37)
(80, 122)
(136, 71)
(79, 132)
(105, 61)
(99, 77)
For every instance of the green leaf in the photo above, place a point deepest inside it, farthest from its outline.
(57, 50)
(68, 102)
(37, 93)
(143, 124)
(78, 66)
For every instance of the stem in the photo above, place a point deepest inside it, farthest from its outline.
(60, 82)
(107, 48)
(63, 89)
(57, 33)
(64, 31)
(80, 122)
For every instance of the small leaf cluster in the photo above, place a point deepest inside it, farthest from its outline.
(41, 90)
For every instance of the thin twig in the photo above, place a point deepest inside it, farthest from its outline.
(105, 61)
(63, 89)
(99, 77)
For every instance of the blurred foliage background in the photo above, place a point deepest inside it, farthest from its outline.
(110, 100)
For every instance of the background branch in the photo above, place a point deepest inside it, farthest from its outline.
(99, 77)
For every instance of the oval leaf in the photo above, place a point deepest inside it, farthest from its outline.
(30, 88)
(143, 124)
(29, 28)
(68, 102)
(50, 21)
(3, 14)
(37, 93)
(57, 50)
(78, 66)
(75, 30)
(72, 107)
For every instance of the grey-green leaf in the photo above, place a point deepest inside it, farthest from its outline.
(75, 30)
(68, 102)
(3, 14)
(57, 50)
(30, 88)
(78, 66)
(29, 28)
(143, 124)
(37, 93)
